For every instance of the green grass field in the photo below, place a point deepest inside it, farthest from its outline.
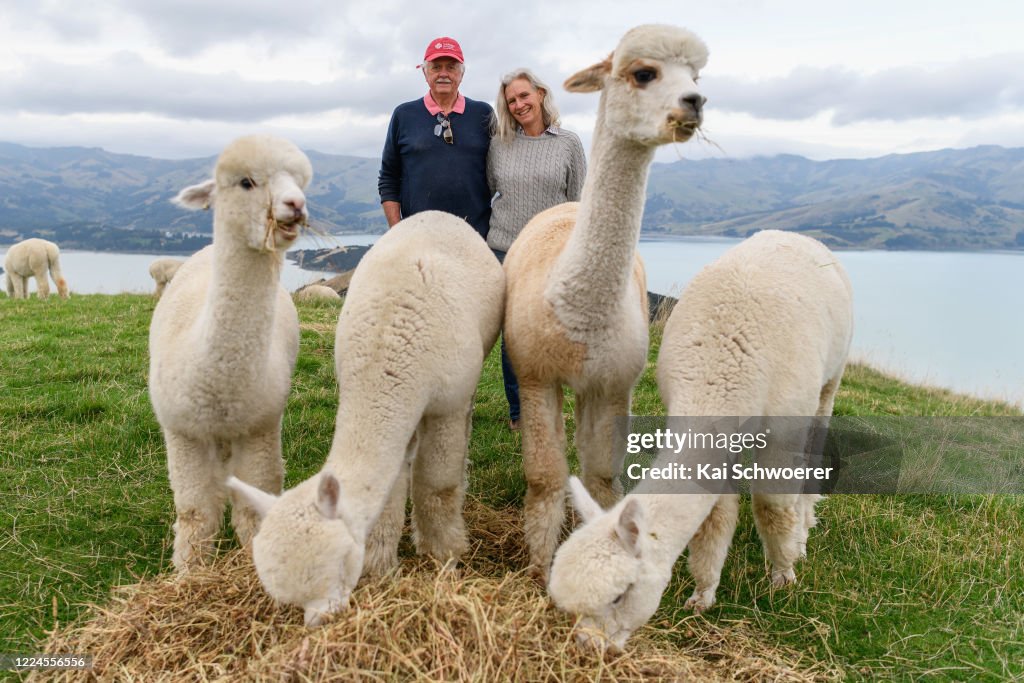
(894, 587)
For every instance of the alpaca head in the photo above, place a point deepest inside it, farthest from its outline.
(256, 192)
(603, 573)
(62, 288)
(305, 552)
(650, 85)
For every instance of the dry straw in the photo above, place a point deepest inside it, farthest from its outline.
(482, 622)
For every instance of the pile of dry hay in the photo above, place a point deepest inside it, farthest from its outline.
(480, 623)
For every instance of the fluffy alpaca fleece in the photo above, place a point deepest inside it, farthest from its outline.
(224, 339)
(317, 292)
(763, 331)
(423, 310)
(162, 271)
(33, 257)
(576, 311)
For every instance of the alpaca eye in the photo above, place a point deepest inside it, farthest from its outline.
(619, 599)
(644, 76)
(247, 183)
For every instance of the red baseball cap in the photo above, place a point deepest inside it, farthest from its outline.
(443, 47)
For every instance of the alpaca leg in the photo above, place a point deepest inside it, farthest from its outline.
(546, 472)
(255, 459)
(439, 485)
(600, 464)
(708, 549)
(807, 519)
(17, 286)
(780, 520)
(159, 289)
(42, 283)
(382, 542)
(197, 479)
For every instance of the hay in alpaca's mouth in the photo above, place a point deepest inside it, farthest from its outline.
(287, 230)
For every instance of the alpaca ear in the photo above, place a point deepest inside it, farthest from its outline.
(590, 79)
(630, 527)
(328, 495)
(581, 500)
(196, 196)
(260, 500)
(330, 503)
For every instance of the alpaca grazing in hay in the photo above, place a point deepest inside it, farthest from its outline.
(576, 311)
(763, 331)
(33, 258)
(224, 340)
(422, 312)
(162, 271)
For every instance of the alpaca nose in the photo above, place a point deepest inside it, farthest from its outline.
(694, 101)
(296, 204)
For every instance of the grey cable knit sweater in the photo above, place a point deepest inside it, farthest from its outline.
(531, 174)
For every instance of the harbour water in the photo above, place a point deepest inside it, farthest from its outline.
(950, 319)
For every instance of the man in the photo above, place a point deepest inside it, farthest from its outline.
(435, 154)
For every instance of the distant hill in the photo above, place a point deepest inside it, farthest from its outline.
(949, 199)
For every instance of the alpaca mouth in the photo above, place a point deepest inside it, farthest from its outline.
(681, 128)
(289, 229)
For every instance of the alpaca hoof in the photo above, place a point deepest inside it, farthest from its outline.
(698, 602)
(783, 578)
(379, 564)
(538, 574)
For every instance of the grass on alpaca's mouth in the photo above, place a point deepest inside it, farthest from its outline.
(481, 621)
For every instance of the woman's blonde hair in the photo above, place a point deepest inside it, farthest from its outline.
(506, 124)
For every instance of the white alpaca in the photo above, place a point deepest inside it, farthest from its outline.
(224, 339)
(763, 331)
(576, 311)
(162, 271)
(423, 310)
(33, 257)
(317, 292)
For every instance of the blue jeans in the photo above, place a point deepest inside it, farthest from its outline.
(507, 373)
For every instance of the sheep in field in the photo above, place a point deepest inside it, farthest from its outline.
(224, 339)
(319, 292)
(576, 312)
(423, 310)
(763, 331)
(162, 271)
(33, 257)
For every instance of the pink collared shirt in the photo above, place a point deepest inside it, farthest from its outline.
(434, 109)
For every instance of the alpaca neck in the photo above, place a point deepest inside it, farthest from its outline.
(593, 272)
(673, 519)
(370, 446)
(241, 302)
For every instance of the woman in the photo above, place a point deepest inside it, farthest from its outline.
(532, 165)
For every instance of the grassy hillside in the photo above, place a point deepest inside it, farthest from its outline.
(895, 587)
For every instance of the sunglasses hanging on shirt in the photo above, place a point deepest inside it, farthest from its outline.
(444, 128)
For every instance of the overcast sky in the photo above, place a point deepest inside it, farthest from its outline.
(819, 78)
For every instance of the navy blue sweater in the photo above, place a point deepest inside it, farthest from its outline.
(421, 171)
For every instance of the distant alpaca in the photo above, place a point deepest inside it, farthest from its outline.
(423, 310)
(317, 292)
(162, 271)
(224, 339)
(33, 258)
(763, 331)
(576, 311)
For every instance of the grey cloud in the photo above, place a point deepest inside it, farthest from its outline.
(127, 84)
(186, 27)
(968, 89)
